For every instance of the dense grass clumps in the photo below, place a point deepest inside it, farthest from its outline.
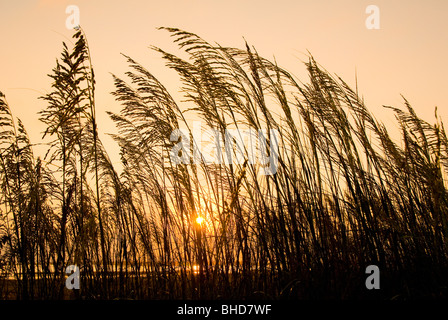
(343, 195)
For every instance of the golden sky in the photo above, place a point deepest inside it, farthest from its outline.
(407, 55)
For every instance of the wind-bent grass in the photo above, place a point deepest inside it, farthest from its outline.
(345, 195)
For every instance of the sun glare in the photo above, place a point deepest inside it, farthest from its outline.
(199, 220)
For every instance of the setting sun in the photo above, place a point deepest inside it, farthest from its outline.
(199, 220)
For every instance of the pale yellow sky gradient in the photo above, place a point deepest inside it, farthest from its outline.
(406, 56)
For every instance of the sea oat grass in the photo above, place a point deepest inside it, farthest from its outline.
(344, 195)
